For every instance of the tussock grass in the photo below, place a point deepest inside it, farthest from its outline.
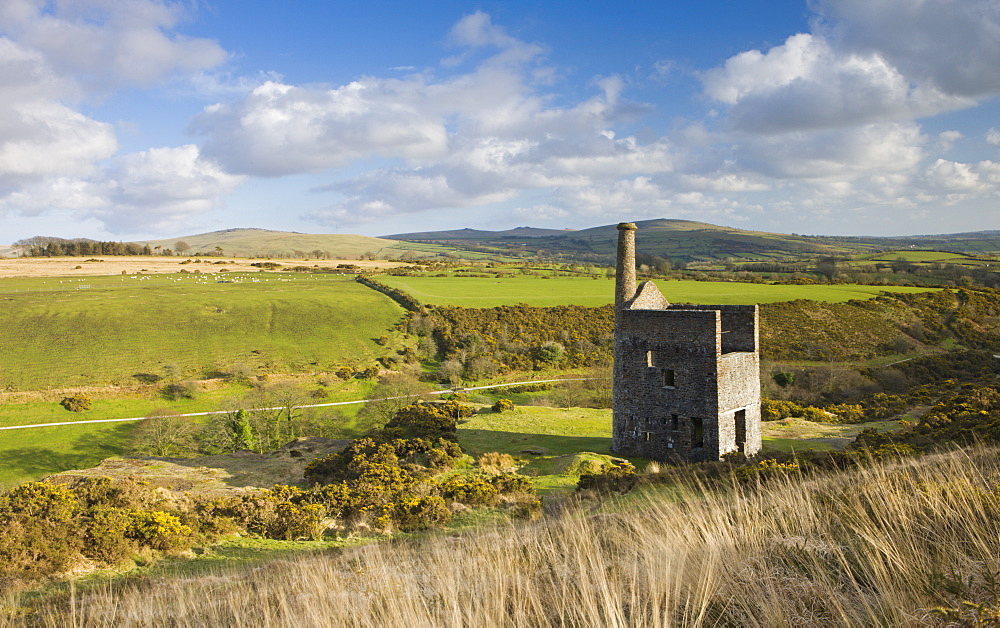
(879, 545)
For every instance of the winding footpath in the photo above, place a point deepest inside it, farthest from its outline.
(314, 405)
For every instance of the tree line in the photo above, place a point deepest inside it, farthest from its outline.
(44, 246)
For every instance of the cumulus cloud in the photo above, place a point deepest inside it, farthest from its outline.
(993, 137)
(280, 129)
(39, 135)
(157, 190)
(807, 84)
(952, 44)
(160, 189)
(473, 137)
(829, 118)
(946, 140)
(52, 156)
(865, 62)
(835, 154)
(105, 43)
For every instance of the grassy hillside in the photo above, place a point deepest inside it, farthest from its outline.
(478, 234)
(266, 243)
(900, 543)
(687, 241)
(56, 335)
(588, 291)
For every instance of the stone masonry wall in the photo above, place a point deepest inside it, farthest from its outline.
(657, 417)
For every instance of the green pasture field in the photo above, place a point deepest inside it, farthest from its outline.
(61, 333)
(32, 453)
(434, 249)
(586, 291)
(919, 256)
(555, 434)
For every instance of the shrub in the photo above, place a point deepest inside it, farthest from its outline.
(784, 379)
(470, 490)
(618, 477)
(76, 403)
(179, 390)
(417, 513)
(158, 530)
(503, 405)
(428, 420)
(765, 469)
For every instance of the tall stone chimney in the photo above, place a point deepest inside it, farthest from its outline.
(625, 269)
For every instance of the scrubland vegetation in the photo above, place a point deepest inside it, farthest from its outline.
(500, 506)
(900, 542)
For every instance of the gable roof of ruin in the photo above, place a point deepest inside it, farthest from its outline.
(648, 297)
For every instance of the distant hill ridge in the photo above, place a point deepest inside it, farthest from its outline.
(254, 242)
(478, 234)
(679, 240)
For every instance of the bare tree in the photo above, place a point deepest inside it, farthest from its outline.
(393, 391)
(164, 433)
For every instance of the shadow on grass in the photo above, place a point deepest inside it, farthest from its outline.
(55, 453)
(246, 468)
(477, 441)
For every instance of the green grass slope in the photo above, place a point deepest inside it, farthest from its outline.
(55, 335)
(535, 290)
(263, 242)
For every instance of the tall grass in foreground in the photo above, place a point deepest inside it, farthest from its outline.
(881, 545)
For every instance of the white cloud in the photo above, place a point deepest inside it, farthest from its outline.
(476, 137)
(39, 136)
(993, 137)
(53, 157)
(104, 43)
(946, 140)
(807, 84)
(952, 44)
(279, 129)
(157, 190)
(160, 190)
(835, 154)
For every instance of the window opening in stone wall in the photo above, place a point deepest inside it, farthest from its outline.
(647, 436)
(741, 429)
(697, 433)
(673, 421)
(668, 378)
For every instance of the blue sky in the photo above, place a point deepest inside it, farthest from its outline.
(134, 119)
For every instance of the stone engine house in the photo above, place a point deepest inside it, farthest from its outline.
(686, 378)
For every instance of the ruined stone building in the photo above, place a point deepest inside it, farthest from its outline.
(686, 378)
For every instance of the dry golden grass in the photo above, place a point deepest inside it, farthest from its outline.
(877, 546)
(115, 265)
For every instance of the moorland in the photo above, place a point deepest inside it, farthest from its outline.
(873, 502)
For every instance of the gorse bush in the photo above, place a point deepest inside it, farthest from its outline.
(76, 403)
(897, 543)
(428, 420)
(503, 405)
(50, 528)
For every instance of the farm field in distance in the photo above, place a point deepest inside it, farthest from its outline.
(63, 267)
(118, 330)
(587, 291)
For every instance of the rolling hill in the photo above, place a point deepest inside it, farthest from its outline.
(478, 234)
(267, 243)
(686, 241)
